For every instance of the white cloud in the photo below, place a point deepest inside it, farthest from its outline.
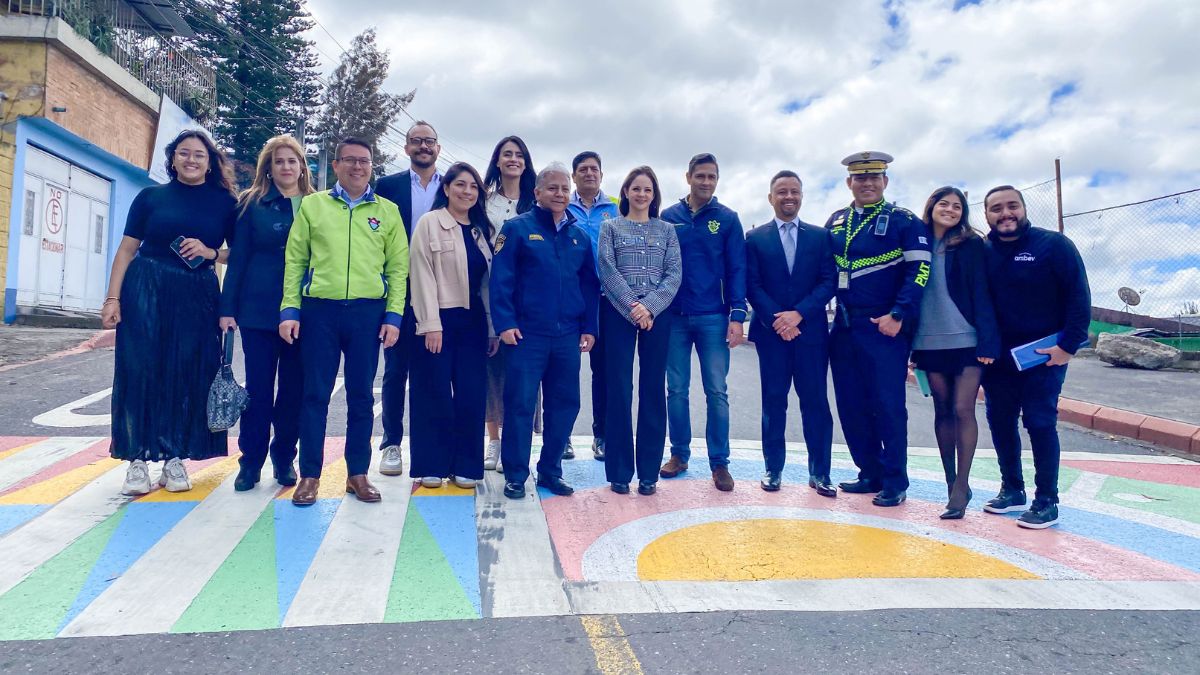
(963, 97)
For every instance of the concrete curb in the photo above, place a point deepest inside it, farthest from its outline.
(1168, 433)
(101, 340)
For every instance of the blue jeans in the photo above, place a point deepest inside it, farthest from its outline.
(707, 332)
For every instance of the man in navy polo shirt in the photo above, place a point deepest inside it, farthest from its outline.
(709, 309)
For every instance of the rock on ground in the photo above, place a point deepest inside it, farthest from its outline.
(1128, 351)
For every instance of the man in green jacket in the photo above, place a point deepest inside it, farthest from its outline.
(344, 276)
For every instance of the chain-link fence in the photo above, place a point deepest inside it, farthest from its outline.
(1151, 247)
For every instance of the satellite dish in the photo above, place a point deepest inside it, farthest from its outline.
(1129, 296)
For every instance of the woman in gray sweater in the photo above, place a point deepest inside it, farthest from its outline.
(955, 338)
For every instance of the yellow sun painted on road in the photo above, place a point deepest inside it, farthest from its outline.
(769, 549)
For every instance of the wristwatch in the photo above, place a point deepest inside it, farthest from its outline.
(897, 315)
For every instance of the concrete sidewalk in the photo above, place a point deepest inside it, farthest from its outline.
(21, 345)
(1156, 406)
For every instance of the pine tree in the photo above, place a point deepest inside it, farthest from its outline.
(267, 72)
(354, 103)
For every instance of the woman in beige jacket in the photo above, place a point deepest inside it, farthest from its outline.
(450, 256)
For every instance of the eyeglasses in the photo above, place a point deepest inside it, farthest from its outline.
(355, 161)
(427, 142)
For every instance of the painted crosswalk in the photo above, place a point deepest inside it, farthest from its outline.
(79, 559)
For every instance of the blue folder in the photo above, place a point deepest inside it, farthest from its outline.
(1026, 356)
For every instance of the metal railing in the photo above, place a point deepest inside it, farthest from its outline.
(117, 30)
(1150, 246)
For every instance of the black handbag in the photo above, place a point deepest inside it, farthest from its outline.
(226, 398)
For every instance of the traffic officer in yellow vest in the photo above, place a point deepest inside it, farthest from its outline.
(882, 254)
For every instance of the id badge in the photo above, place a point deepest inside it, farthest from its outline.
(843, 280)
(881, 224)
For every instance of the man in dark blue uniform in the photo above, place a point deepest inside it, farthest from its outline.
(882, 255)
(1040, 290)
(544, 294)
(790, 278)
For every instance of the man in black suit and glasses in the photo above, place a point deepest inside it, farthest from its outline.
(413, 191)
(790, 278)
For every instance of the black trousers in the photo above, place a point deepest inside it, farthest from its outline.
(450, 396)
(802, 365)
(621, 338)
(395, 381)
(1031, 396)
(270, 359)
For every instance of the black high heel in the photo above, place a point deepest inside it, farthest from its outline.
(957, 512)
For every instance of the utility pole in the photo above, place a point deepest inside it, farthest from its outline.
(1058, 188)
(322, 166)
(300, 132)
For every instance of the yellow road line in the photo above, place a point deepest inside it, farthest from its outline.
(614, 655)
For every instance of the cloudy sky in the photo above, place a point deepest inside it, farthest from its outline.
(967, 93)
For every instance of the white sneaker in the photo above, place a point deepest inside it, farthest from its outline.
(174, 477)
(464, 483)
(491, 459)
(431, 482)
(137, 479)
(391, 464)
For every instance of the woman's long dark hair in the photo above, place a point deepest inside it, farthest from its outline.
(492, 180)
(477, 213)
(960, 232)
(646, 171)
(220, 169)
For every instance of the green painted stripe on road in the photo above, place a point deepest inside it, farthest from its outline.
(1176, 501)
(424, 587)
(242, 594)
(35, 608)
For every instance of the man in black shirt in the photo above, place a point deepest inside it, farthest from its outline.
(1040, 289)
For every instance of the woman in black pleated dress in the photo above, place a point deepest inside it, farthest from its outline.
(163, 300)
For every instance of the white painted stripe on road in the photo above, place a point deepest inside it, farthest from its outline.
(519, 572)
(40, 455)
(614, 555)
(64, 416)
(27, 547)
(1086, 486)
(351, 576)
(630, 597)
(157, 589)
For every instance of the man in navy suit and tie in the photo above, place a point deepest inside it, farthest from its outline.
(790, 278)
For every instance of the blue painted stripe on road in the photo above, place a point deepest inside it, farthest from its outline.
(451, 521)
(298, 534)
(141, 528)
(13, 516)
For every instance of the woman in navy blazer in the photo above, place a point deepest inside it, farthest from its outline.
(250, 302)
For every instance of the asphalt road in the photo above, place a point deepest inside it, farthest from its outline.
(35, 389)
(899, 641)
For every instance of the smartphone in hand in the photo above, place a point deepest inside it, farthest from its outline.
(190, 262)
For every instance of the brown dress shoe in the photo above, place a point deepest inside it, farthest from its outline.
(673, 467)
(360, 487)
(306, 492)
(722, 479)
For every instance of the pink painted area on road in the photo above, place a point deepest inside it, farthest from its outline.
(576, 522)
(9, 442)
(1186, 475)
(91, 453)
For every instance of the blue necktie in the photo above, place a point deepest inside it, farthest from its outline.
(789, 244)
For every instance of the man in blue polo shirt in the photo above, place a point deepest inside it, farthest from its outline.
(590, 207)
(710, 309)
